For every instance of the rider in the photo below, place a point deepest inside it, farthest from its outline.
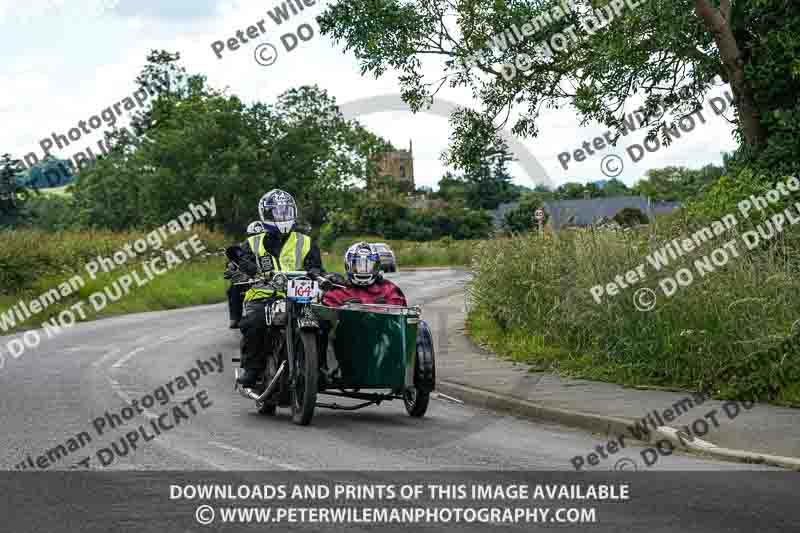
(279, 248)
(232, 272)
(365, 284)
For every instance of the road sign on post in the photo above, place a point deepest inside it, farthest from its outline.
(539, 216)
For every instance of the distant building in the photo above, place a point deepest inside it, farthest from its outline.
(588, 212)
(399, 165)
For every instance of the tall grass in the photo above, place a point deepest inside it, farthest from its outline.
(33, 262)
(28, 256)
(533, 303)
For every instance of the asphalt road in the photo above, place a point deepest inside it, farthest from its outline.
(53, 393)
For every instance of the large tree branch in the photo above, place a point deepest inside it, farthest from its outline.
(733, 63)
(725, 9)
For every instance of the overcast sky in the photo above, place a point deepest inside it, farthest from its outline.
(66, 60)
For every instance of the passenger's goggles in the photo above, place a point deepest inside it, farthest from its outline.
(364, 264)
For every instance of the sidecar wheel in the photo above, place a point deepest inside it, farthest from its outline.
(304, 392)
(416, 402)
(425, 365)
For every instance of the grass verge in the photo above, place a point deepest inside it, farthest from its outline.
(724, 332)
(195, 281)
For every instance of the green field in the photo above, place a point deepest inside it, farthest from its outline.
(34, 262)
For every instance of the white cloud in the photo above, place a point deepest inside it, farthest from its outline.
(32, 11)
(83, 63)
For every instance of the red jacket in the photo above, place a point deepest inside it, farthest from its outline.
(380, 292)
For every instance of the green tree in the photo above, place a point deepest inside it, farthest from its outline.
(615, 187)
(197, 142)
(452, 189)
(570, 191)
(377, 212)
(489, 185)
(678, 183)
(594, 190)
(670, 52)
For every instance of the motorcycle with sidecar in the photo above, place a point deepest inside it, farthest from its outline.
(366, 352)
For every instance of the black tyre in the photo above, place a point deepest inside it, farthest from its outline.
(417, 399)
(425, 367)
(304, 392)
(416, 402)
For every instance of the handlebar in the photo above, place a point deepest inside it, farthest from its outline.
(273, 280)
(268, 278)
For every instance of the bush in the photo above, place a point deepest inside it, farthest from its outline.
(50, 212)
(403, 229)
(523, 218)
(456, 222)
(629, 217)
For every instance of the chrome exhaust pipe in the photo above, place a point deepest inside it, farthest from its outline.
(244, 391)
(272, 384)
(248, 393)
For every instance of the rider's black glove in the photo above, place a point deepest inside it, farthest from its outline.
(330, 281)
(230, 271)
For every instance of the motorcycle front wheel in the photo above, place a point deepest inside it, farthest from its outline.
(304, 391)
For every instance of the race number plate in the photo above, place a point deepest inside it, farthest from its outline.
(302, 290)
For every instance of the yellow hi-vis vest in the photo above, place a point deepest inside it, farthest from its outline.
(292, 255)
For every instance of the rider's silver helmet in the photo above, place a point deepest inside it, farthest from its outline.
(254, 228)
(362, 264)
(278, 211)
